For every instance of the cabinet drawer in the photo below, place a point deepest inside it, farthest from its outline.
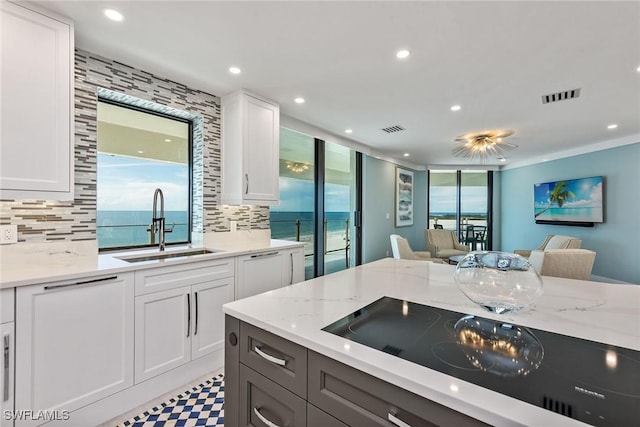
(318, 418)
(359, 399)
(278, 359)
(263, 402)
(165, 278)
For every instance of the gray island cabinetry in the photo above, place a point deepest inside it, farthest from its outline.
(272, 381)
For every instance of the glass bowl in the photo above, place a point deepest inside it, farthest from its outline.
(500, 282)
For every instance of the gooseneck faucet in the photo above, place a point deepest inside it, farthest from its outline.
(157, 223)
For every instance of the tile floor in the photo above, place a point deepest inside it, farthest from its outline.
(201, 405)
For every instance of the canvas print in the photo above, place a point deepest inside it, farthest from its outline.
(404, 197)
(573, 200)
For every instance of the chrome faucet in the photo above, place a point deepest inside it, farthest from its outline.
(157, 223)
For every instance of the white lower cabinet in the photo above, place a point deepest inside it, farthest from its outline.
(293, 266)
(266, 271)
(7, 358)
(74, 343)
(176, 326)
(7, 373)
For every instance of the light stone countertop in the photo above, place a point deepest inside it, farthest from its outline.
(29, 264)
(600, 312)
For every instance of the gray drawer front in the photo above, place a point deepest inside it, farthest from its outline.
(274, 403)
(317, 418)
(358, 399)
(292, 376)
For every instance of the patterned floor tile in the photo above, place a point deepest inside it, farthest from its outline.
(200, 406)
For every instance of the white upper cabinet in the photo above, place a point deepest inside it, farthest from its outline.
(250, 150)
(36, 137)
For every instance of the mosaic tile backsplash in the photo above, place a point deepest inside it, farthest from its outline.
(47, 220)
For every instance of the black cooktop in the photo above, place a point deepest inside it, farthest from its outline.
(592, 382)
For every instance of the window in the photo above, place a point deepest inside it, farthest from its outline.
(461, 201)
(139, 151)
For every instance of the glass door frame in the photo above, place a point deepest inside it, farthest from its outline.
(458, 230)
(319, 209)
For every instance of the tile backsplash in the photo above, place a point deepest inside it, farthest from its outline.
(47, 220)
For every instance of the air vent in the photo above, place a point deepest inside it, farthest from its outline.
(392, 129)
(560, 96)
(557, 406)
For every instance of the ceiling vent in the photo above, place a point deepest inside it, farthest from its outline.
(392, 129)
(560, 96)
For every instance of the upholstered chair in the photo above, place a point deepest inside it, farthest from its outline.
(402, 250)
(443, 243)
(552, 241)
(567, 263)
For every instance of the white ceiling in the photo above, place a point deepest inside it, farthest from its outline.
(495, 59)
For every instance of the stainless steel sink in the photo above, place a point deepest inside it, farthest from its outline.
(166, 255)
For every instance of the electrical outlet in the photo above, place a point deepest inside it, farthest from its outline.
(233, 225)
(8, 234)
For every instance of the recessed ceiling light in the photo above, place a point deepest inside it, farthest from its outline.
(114, 15)
(638, 69)
(402, 54)
(502, 159)
(348, 131)
(167, 140)
(235, 70)
(140, 152)
(406, 154)
(299, 100)
(455, 108)
(612, 126)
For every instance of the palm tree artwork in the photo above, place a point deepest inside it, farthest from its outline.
(559, 195)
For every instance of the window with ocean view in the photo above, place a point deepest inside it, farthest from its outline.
(138, 152)
(296, 219)
(459, 201)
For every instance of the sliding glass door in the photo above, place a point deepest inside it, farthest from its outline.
(294, 217)
(318, 198)
(461, 201)
(340, 199)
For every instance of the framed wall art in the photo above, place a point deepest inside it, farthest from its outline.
(404, 197)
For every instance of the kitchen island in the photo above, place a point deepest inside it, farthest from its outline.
(296, 315)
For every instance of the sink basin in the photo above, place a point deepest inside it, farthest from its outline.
(166, 255)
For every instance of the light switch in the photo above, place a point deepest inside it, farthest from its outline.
(233, 225)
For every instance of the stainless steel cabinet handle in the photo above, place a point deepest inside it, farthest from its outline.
(85, 282)
(269, 357)
(263, 419)
(265, 254)
(188, 314)
(246, 189)
(396, 421)
(195, 332)
(291, 281)
(5, 367)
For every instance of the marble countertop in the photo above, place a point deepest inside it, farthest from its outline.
(29, 264)
(608, 313)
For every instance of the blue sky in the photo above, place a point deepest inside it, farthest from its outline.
(296, 195)
(126, 183)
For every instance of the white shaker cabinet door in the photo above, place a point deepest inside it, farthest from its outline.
(74, 342)
(36, 150)
(293, 266)
(6, 372)
(163, 332)
(208, 327)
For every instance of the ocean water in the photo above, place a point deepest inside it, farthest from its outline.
(283, 223)
(129, 228)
